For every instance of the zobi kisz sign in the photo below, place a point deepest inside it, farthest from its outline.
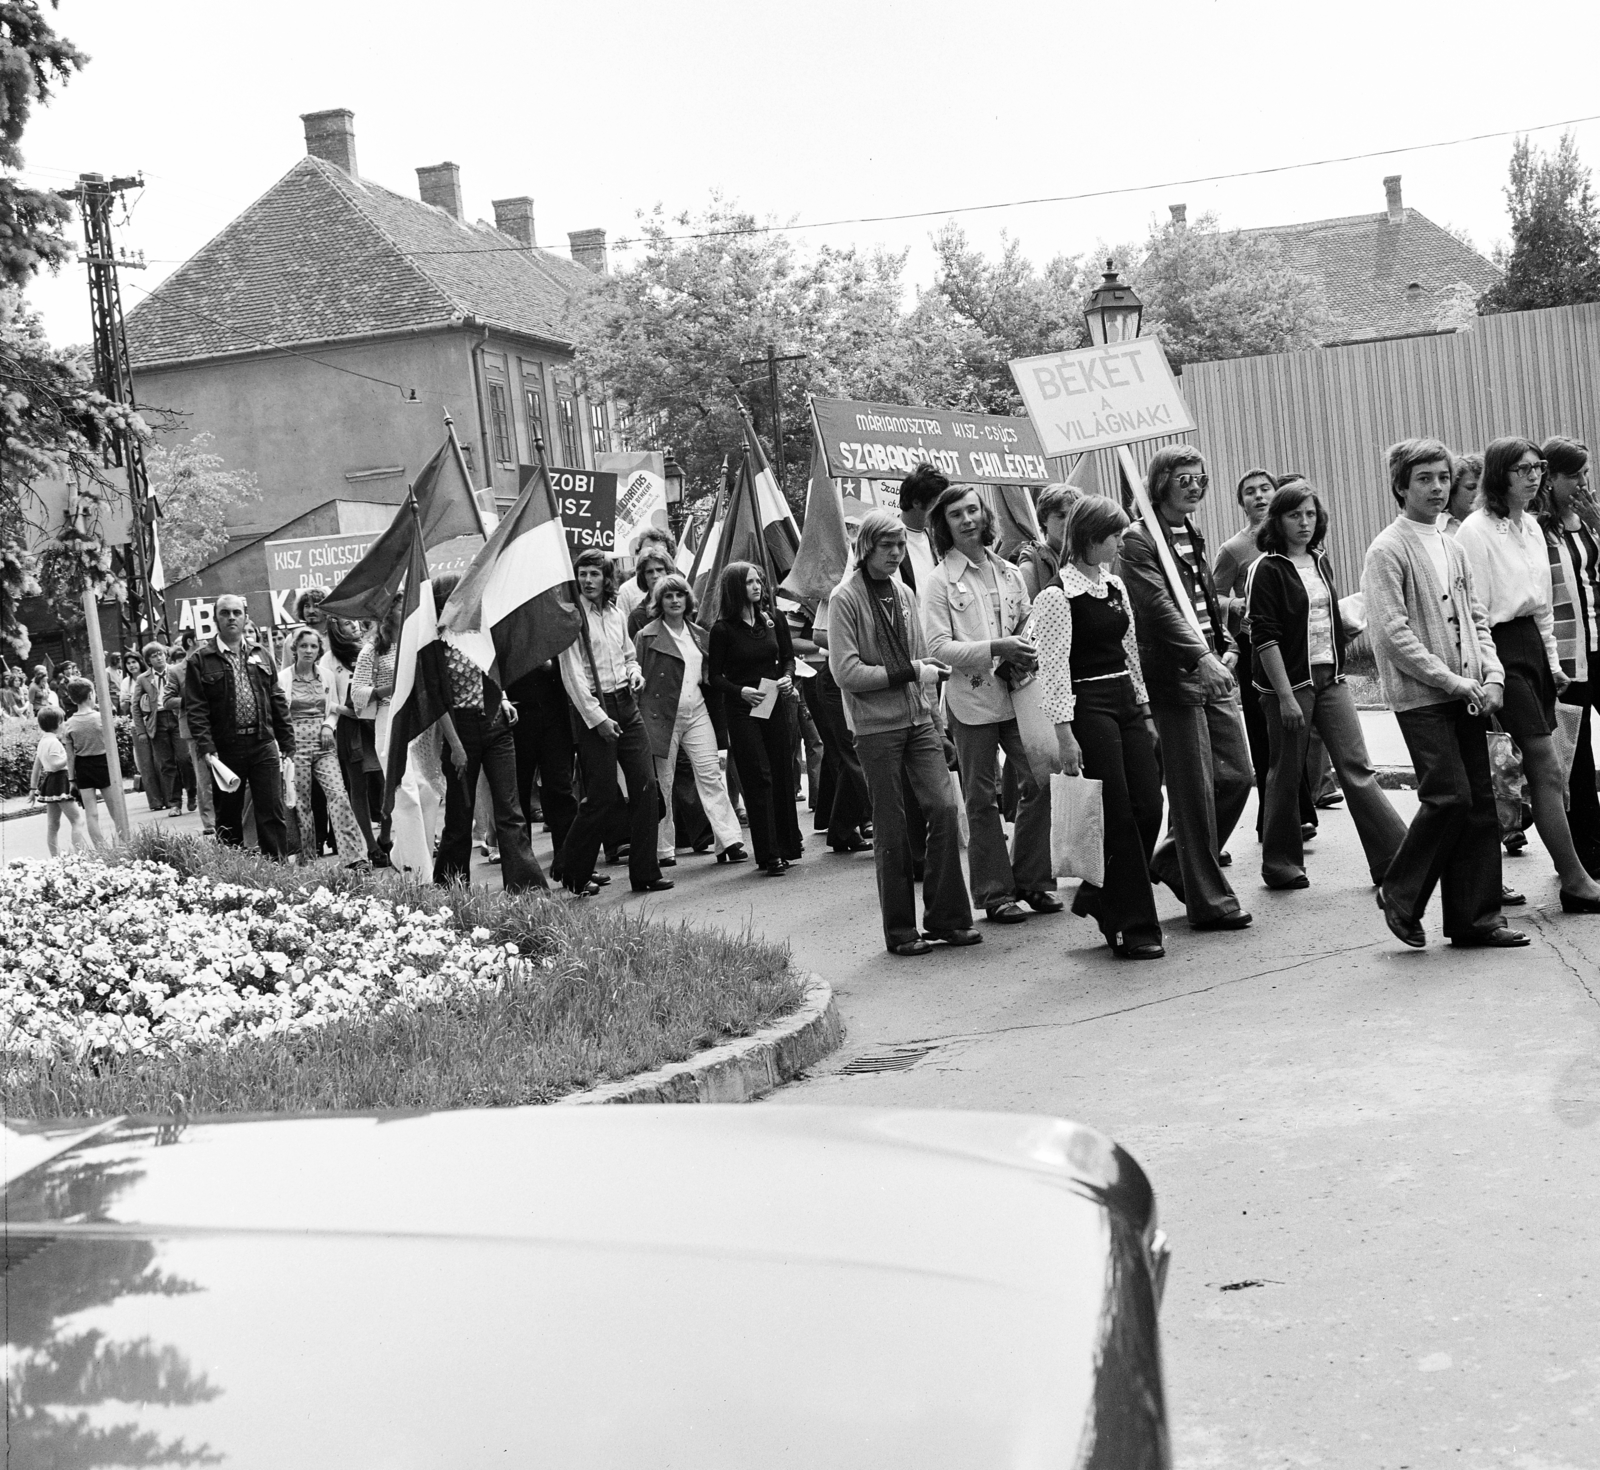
(881, 441)
(1101, 397)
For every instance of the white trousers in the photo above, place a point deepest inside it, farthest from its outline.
(418, 807)
(694, 733)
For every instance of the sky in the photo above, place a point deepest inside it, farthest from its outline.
(837, 109)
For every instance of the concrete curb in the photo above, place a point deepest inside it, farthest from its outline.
(739, 1071)
(1396, 778)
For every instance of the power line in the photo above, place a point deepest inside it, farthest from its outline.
(876, 219)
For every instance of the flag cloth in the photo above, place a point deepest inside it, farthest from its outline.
(737, 537)
(1015, 522)
(513, 608)
(421, 680)
(824, 548)
(777, 521)
(445, 509)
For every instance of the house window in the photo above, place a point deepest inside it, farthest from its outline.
(500, 423)
(599, 436)
(571, 450)
(538, 429)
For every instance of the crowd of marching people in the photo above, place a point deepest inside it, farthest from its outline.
(914, 697)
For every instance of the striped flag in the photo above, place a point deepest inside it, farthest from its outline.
(824, 550)
(444, 510)
(513, 609)
(778, 525)
(421, 681)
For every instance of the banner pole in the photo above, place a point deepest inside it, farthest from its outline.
(466, 475)
(115, 796)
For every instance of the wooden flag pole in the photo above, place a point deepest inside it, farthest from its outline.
(719, 507)
(466, 475)
(755, 510)
(1147, 512)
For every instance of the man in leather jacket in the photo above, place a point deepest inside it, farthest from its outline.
(1194, 699)
(245, 725)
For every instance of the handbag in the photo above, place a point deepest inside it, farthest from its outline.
(962, 825)
(1510, 785)
(1077, 828)
(1037, 729)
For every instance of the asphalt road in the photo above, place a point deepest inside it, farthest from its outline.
(1380, 1168)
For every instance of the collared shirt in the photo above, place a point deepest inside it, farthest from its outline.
(919, 551)
(1050, 623)
(245, 716)
(1432, 538)
(614, 661)
(1511, 572)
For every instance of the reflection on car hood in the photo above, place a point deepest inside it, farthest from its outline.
(621, 1286)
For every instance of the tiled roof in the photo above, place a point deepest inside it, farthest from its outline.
(1382, 278)
(322, 255)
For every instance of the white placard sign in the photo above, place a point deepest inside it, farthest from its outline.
(641, 493)
(1100, 397)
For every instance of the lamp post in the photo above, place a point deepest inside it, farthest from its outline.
(1114, 312)
(672, 472)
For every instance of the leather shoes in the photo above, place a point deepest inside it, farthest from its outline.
(1240, 920)
(1333, 799)
(1504, 937)
(1404, 928)
(660, 885)
(851, 844)
(1146, 951)
(1572, 904)
(1510, 898)
(589, 890)
(1043, 902)
(911, 947)
(954, 937)
(1086, 901)
(1300, 882)
(1009, 912)
(1308, 830)
(1224, 859)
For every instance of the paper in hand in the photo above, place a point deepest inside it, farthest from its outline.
(224, 778)
(769, 700)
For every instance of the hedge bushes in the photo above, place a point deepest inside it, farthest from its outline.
(19, 738)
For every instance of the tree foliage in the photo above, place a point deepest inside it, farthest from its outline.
(53, 424)
(1211, 293)
(677, 335)
(1554, 259)
(195, 493)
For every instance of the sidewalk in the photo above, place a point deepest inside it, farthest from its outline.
(1387, 749)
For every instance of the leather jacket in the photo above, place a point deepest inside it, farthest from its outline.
(208, 701)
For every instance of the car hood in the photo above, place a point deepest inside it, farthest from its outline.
(621, 1286)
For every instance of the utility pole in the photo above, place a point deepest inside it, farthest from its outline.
(95, 197)
(772, 360)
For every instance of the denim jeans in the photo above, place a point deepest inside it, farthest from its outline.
(914, 755)
(1454, 839)
(1206, 761)
(1330, 709)
(490, 750)
(999, 877)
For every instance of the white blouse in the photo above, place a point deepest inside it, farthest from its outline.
(1051, 628)
(1511, 572)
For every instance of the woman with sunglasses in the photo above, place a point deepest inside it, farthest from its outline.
(1571, 523)
(680, 711)
(1298, 641)
(1506, 551)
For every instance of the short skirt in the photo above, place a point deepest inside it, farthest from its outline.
(56, 786)
(94, 773)
(1530, 707)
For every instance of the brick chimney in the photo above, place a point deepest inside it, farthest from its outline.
(589, 249)
(1180, 214)
(331, 136)
(1391, 192)
(514, 217)
(441, 185)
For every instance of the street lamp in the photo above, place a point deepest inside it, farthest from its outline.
(1114, 312)
(672, 472)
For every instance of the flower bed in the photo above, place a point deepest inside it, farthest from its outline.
(181, 967)
(133, 958)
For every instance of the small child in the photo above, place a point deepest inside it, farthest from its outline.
(85, 740)
(52, 784)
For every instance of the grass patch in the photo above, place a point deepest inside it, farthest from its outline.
(605, 993)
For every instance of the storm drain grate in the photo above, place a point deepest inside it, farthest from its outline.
(896, 1059)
